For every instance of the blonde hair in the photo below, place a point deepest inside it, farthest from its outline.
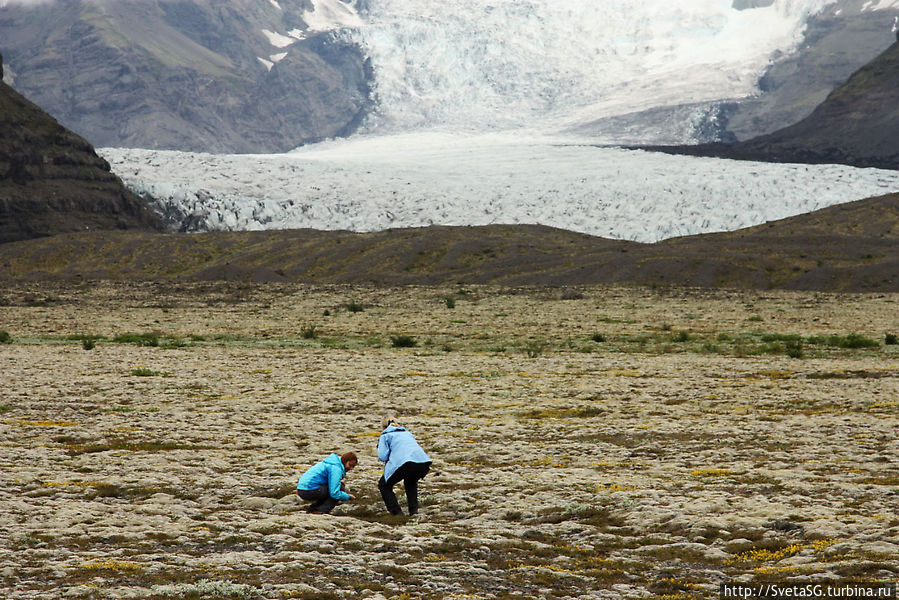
(386, 421)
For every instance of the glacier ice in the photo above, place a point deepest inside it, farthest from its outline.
(413, 180)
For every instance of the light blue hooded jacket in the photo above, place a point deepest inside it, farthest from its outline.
(328, 472)
(396, 447)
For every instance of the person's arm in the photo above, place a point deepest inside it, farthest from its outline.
(335, 474)
(383, 448)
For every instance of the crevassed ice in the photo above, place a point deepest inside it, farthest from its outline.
(418, 180)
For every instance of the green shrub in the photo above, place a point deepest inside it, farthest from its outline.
(5, 338)
(890, 339)
(793, 348)
(450, 302)
(681, 336)
(354, 307)
(534, 348)
(598, 338)
(402, 341)
(781, 337)
(143, 372)
(309, 332)
(852, 341)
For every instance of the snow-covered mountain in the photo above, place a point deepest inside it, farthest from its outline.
(495, 111)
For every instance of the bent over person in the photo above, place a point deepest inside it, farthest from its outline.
(406, 462)
(322, 484)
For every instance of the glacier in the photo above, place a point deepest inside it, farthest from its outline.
(496, 111)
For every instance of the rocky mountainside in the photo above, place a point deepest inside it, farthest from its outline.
(858, 124)
(184, 74)
(52, 181)
(838, 41)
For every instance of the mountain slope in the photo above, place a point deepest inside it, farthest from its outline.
(851, 247)
(184, 74)
(838, 41)
(858, 124)
(52, 181)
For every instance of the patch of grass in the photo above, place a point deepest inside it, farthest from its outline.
(309, 332)
(139, 339)
(852, 341)
(143, 372)
(567, 412)
(534, 348)
(131, 446)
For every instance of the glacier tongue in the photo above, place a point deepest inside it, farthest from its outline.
(413, 180)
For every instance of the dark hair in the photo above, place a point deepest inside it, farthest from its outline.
(348, 457)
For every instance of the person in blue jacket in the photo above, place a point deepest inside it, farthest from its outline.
(406, 462)
(322, 483)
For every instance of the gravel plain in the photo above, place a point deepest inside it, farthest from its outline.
(607, 442)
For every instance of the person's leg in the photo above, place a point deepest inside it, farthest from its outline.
(319, 498)
(414, 472)
(386, 489)
(327, 504)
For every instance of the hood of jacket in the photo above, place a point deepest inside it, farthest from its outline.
(334, 460)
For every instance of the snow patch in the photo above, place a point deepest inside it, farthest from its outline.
(327, 15)
(278, 40)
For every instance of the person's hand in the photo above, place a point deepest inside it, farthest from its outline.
(352, 497)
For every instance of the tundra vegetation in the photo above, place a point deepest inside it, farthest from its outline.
(605, 442)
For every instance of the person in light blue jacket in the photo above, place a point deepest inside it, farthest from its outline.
(406, 462)
(322, 483)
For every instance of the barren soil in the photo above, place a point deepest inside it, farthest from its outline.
(604, 442)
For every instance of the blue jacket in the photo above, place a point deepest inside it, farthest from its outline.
(396, 447)
(328, 473)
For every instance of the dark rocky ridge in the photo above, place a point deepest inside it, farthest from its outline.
(858, 124)
(183, 74)
(852, 247)
(52, 181)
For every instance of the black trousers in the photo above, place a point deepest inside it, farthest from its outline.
(321, 497)
(409, 473)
